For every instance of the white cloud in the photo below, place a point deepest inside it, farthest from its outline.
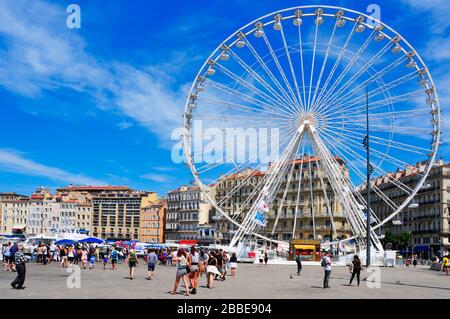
(432, 10)
(160, 178)
(40, 53)
(14, 161)
(124, 125)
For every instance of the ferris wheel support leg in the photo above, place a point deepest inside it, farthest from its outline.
(341, 187)
(248, 224)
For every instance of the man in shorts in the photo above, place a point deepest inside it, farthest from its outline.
(152, 259)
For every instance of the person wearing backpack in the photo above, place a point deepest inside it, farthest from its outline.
(114, 257)
(132, 262)
(326, 264)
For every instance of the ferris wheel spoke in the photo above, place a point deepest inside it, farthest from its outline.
(312, 65)
(244, 119)
(283, 75)
(358, 171)
(348, 67)
(282, 101)
(236, 169)
(294, 77)
(376, 105)
(288, 182)
(361, 118)
(244, 108)
(271, 75)
(324, 63)
(338, 145)
(362, 175)
(387, 143)
(383, 156)
(340, 186)
(300, 44)
(380, 89)
(246, 84)
(380, 193)
(320, 169)
(336, 64)
(346, 86)
(247, 98)
(375, 77)
(231, 143)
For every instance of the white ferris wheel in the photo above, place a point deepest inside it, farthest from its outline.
(307, 72)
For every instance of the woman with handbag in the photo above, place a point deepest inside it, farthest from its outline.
(182, 263)
(355, 269)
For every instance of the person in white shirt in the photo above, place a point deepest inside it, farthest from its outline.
(326, 264)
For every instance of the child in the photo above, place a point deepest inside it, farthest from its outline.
(92, 262)
(105, 261)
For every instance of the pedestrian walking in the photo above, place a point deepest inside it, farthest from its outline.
(261, 259)
(152, 259)
(114, 258)
(132, 262)
(219, 257)
(211, 269)
(63, 255)
(445, 265)
(233, 264)
(84, 257)
(298, 260)
(71, 255)
(7, 257)
(355, 269)
(19, 260)
(92, 262)
(12, 264)
(326, 264)
(202, 262)
(182, 271)
(193, 260)
(105, 261)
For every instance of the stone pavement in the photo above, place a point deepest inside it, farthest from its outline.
(251, 282)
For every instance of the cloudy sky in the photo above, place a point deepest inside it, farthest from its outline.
(97, 105)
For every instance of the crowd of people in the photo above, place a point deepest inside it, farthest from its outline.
(191, 264)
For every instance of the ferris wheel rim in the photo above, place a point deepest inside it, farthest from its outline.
(436, 126)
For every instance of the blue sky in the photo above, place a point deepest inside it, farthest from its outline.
(97, 105)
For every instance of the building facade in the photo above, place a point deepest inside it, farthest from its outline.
(13, 212)
(187, 209)
(152, 223)
(427, 219)
(110, 212)
(84, 218)
(301, 200)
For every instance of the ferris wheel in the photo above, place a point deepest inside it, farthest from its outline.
(310, 75)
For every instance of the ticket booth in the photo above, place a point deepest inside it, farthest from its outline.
(308, 250)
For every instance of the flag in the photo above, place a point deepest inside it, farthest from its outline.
(260, 219)
(263, 206)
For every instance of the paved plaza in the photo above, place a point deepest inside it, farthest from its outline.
(252, 281)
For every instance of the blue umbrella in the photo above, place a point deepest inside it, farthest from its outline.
(91, 240)
(65, 242)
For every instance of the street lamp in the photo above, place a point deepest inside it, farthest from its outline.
(369, 172)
